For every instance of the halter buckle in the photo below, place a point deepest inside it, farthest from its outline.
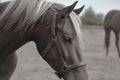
(54, 38)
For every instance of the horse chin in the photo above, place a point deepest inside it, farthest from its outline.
(78, 74)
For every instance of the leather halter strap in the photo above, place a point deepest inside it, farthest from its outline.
(64, 68)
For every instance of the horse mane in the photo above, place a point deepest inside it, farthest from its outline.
(77, 24)
(3, 5)
(22, 14)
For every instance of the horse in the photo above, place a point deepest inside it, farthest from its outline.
(111, 23)
(53, 27)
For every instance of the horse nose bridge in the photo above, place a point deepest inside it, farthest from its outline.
(79, 54)
(78, 51)
(72, 57)
(75, 54)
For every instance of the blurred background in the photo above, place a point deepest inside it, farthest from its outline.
(99, 67)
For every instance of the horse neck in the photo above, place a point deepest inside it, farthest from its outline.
(10, 42)
(17, 38)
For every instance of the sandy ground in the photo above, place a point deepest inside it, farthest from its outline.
(32, 67)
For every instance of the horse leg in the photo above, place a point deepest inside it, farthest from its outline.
(117, 43)
(8, 67)
(107, 39)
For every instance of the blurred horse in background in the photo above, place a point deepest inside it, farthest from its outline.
(111, 23)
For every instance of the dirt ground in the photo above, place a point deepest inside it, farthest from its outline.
(32, 67)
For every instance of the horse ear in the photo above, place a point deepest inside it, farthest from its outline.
(79, 10)
(67, 10)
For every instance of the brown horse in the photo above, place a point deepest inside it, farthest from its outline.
(53, 27)
(111, 23)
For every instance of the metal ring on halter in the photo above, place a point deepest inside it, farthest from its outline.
(54, 38)
(69, 68)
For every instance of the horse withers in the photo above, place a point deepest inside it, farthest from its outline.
(54, 28)
(111, 23)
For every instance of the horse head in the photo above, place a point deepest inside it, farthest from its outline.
(58, 41)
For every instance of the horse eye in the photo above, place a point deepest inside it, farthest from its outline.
(68, 39)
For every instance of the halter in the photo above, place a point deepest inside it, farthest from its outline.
(65, 68)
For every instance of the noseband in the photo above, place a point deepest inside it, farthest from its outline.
(65, 68)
